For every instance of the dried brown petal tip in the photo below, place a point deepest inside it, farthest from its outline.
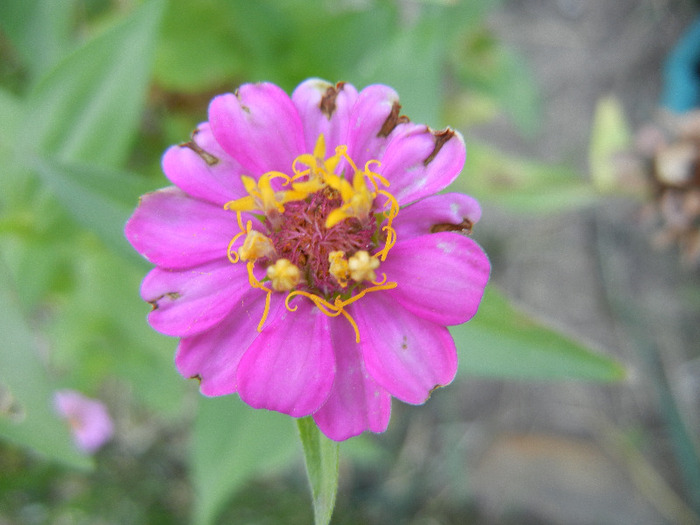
(393, 120)
(207, 157)
(463, 227)
(327, 105)
(441, 138)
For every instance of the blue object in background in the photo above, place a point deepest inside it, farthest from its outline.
(681, 91)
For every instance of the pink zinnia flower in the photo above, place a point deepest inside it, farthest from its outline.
(304, 258)
(88, 418)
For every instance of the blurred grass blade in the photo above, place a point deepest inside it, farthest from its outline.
(503, 342)
(521, 185)
(89, 107)
(32, 422)
(231, 444)
(98, 198)
(38, 30)
(321, 456)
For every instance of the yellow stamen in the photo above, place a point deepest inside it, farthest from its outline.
(339, 267)
(261, 195)
(338, 306)
(284, 275)
(254, 283)
(362, 266)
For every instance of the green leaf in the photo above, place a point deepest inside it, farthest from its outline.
(413, 60)
(412, 63)
(485, 66)
(100, 199)
(89, 107)
(231, 444)
(521, 185)
(199, 47)
(34, 425)
(39, 30)
(503, 342)
(321, 456)
(609, 135)
(11, 116)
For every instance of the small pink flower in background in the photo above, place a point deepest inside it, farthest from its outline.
(304, 258)
(88, 418)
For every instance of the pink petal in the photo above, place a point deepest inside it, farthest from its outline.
(419, 162)
(449, 209)
(203, 170)
(213, 356)
(406, 355)
(324, 108)
(173, 230)
(356, 402)
(90, 422)
(290, 366)
(371, 122)
(441, 277)
(259, 127)
(187, 302)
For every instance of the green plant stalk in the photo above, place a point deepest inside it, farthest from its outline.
(321, 457)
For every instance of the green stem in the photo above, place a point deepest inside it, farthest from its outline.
(321, 456)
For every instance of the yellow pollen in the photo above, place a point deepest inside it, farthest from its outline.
(339, 267)
(284, 275)
(255, 246)
(362, 266)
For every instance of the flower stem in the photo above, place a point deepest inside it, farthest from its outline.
(321, 457)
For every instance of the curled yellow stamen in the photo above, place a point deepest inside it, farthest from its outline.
(388, 243)
(233, 255)
(338, 306)
(254, 283)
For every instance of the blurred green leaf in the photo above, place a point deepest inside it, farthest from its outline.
(89, 107)
(39, 30)
(100, 199)
(521, 185)
(11, 116)
(199, 46)
(209, 44)
(232, 443)
(98, 327)
(609, 135)
(484, 65)
(321, 456)
(503, 342)
(415, 56)
(24, 375)
(412, 63)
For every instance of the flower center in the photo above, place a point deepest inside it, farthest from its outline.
(320, 235)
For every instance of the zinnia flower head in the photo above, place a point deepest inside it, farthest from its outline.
(303, 257)
(88, 418)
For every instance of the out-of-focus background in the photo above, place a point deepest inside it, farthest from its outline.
(578, 395)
